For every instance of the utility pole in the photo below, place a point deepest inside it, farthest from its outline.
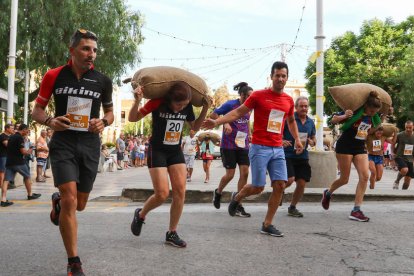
(319, 75)
(26, 87)
(12, 60)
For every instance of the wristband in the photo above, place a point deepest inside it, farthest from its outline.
(47, 121)
(105, 122)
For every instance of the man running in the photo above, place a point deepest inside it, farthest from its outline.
(404, 155)
(272, 108)
(78, 91)
(298, 167)
(234, 146)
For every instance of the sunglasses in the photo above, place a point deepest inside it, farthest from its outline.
(86, 34)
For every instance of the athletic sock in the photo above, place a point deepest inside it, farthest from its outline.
(328, 194)
(356, 209)
(74, 260)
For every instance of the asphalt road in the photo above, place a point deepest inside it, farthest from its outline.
(321, 243)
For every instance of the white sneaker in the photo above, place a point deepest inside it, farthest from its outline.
(395, 186)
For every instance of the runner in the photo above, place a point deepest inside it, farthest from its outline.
(272, 108)
(404, 155)
(234, 146)
(350, 148)
(298, 167)
(78, 91)
(375, 146)
(189, 149)
(165, 158)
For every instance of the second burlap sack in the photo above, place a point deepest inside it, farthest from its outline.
(389, 129)
(354, 95)
(213, 136)
(157, 81)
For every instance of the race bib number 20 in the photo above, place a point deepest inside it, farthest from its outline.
(173, 132)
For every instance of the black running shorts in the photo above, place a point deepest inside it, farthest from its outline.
(74, 156)
(401, 163)
(232, 157)
(158, 158)
(299, 168)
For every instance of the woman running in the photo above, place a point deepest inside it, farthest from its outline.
(165, 158)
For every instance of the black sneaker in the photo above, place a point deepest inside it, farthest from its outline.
(233, 207)
(216, 199)
(173, 239)
(240, 212)
(33, 196)
(75, 269)
(293, 212)
(54, 214)
(271, 230)
(137, 223)
(6, 203)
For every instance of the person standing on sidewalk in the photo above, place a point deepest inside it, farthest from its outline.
(298, 167)
(79, 91)
(207, 150)
(234, 146)
(120, 150)
(16, 163)
(350, 148)
(272, 109)
(4, 139)
(165, 157)
(403, 154)
(189, 149)
(42, 153)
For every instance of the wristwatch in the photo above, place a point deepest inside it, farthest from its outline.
(105, 122)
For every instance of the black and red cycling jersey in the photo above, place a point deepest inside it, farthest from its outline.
(80, 98)
(167, 125)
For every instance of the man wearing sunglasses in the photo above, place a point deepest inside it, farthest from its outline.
(78, 91)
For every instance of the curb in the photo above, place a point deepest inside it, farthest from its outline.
(194, 196)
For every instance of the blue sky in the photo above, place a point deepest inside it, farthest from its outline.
(244, 24)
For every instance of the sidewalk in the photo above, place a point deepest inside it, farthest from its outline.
(135, 184)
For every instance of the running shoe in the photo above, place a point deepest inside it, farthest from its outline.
(240, 212)
(358, 216)
(216, 199)
(137, 223)
(405, 186)
(173, 239)
(33, 196)
(271, 230)
(75, 269)
(6, 203)
(293, 212)
(325, 200)
(233, 205)
(395, 186)
(54, 214)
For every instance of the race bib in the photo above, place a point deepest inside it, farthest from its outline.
(79, 110)
(274, 124)
(408, 150)
(241, 139)
(376, 145)
(362, 132)
(303, 138)
(173, 132)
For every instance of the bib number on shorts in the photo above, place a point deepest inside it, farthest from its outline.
(173, 132)
(274, 124)
(362, 132)
(241, 139)
(79, 110)
(376, 145)
(408, 150)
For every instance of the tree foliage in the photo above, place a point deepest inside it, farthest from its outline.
(377, 55)
(220, 96)
(48, 25)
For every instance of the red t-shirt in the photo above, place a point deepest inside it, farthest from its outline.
(264, 102)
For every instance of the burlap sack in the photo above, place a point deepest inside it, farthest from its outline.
(353, 96)
(213, 136)
(157, 81)
(389, 129)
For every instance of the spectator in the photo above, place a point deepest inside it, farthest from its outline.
(120, 150)
(4, 138)
(42, 153)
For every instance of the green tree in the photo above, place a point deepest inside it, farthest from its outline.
(406, 110)
(48, 25)
(376, 56)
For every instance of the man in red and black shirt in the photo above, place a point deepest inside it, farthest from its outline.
(78, 91)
